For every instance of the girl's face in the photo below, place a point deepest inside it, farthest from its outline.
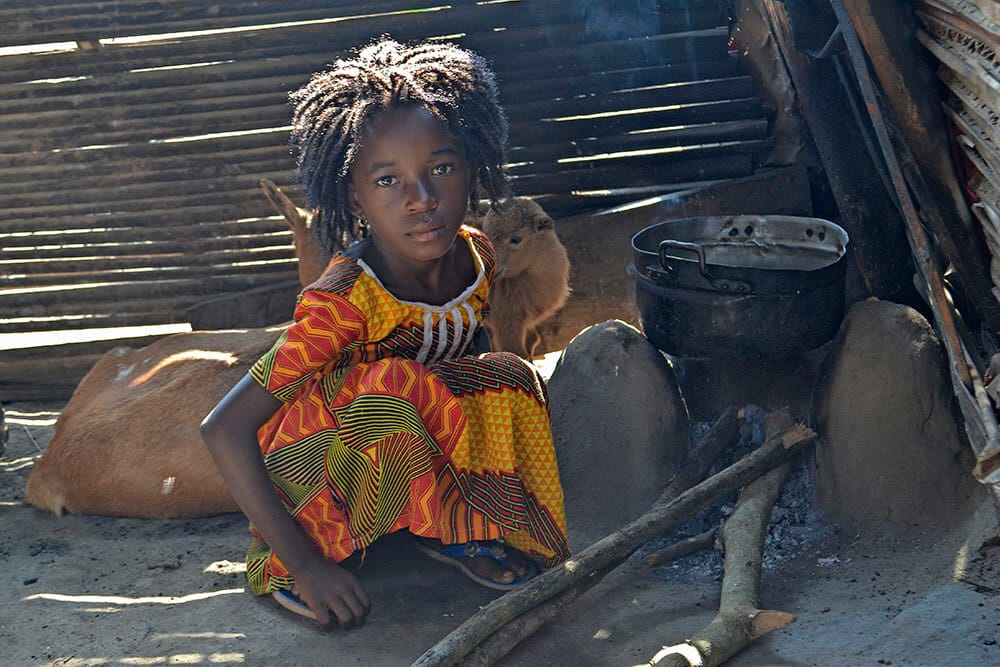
(411, 182)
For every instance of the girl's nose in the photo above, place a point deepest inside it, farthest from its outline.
(423, 197)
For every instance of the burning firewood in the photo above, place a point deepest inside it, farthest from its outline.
(739, 621)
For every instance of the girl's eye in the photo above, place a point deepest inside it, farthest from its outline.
(514, 240)
(385, 181)
(442, 169)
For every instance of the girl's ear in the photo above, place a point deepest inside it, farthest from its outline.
(353, 203)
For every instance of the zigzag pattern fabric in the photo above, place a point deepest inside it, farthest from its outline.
(387, 425)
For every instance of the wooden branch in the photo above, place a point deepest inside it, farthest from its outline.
(716, 440)
(504, 640)
(613, 549)
(739, 621)
(680, 549)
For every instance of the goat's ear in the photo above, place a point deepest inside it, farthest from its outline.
(307, 216)
(295, 216)
(543, 222)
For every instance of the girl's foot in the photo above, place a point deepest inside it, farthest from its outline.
(490, 563)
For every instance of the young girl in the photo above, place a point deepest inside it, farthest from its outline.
(367, 417)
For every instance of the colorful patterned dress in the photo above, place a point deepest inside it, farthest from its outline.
(386, 425)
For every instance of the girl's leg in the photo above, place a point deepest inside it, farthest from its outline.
(459, 452)
(501, 479)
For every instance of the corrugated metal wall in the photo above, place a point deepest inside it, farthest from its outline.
(965, 38)
(130, 168)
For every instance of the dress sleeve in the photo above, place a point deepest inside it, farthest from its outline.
(327, 327)
(484, 248)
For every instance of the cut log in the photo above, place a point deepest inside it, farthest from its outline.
(592, 563)
(739, 621)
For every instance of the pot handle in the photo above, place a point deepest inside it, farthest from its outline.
(721, 284)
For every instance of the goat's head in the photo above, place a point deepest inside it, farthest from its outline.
(515, 227)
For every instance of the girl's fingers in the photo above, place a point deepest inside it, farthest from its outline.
(345, 616)
(357, 607)
(321, 612)
(362, 596)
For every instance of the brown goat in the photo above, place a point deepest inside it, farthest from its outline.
(532, 275)
(127, 443)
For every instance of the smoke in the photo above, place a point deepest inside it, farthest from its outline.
(616, 20)
(605, 20)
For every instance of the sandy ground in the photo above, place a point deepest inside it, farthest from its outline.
(86, 590)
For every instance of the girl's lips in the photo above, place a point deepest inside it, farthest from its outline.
(426, 234)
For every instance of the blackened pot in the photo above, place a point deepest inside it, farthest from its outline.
(740, 286)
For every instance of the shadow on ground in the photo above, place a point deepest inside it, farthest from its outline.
(86, 590)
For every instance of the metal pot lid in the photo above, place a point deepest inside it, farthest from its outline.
(769, 242)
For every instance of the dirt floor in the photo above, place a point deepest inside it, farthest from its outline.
(87, 590)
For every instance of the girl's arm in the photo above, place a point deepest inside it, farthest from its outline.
(230, 433)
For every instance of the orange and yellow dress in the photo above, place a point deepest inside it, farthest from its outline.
(386, 424)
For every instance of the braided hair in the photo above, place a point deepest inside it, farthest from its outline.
(332, 109)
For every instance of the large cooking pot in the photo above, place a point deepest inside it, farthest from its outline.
(740, 286)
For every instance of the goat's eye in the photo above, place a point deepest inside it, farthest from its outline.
(514, 240)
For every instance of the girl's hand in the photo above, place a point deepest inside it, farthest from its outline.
(326, 587)
(230, 433)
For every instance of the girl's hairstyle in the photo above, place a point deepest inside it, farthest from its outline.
(331, 111)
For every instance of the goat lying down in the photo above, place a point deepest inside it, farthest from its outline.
(127, 443)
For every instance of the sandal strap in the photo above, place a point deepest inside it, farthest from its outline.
(492, 548)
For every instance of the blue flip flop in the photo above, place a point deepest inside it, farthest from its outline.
(292, 602)
(449, 555)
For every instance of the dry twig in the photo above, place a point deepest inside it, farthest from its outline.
(683, 548)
